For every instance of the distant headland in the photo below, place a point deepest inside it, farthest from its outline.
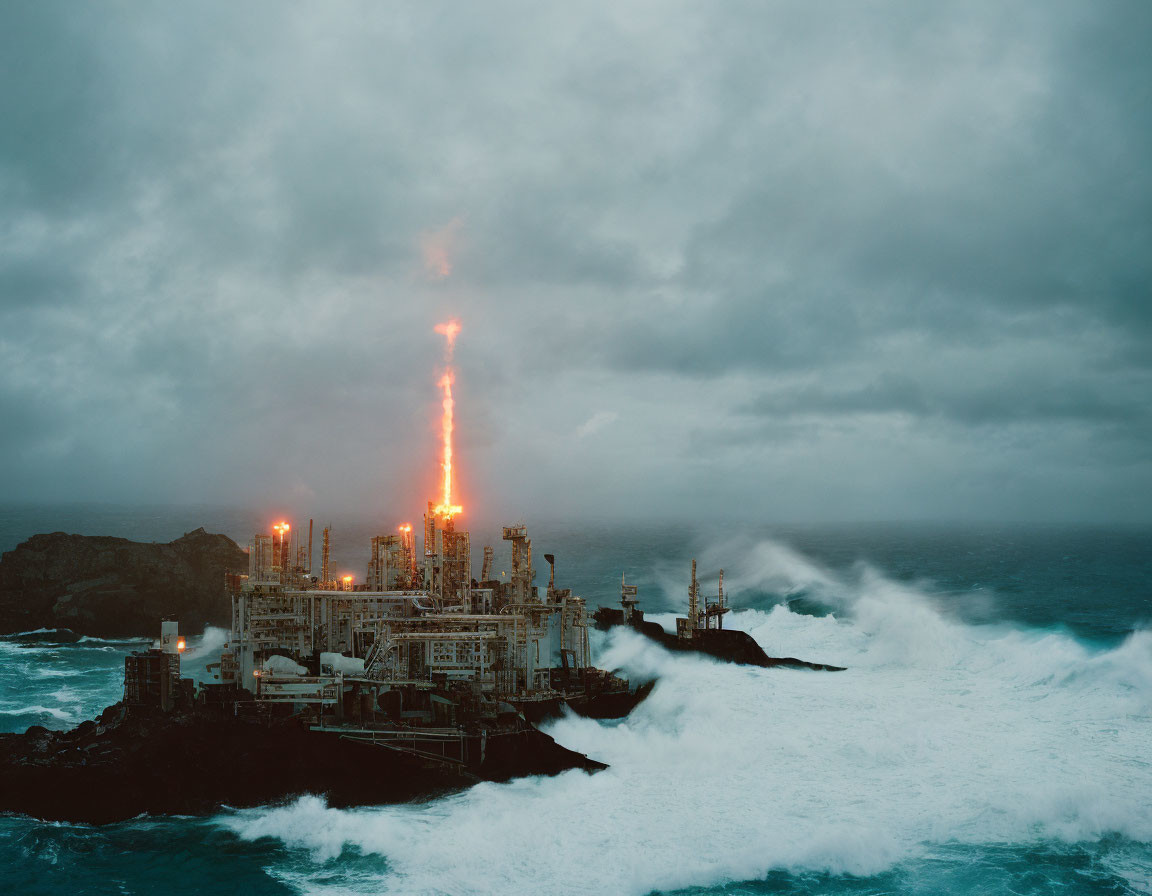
(112, 587)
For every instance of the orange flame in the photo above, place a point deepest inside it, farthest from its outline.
(448, 330)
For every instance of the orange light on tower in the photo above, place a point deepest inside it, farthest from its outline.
(347, 580)
(448, 330)
(280, 548)
(180, 645)
(407, 546)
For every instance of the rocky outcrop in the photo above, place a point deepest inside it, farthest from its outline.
(730, 645)
(113, 587)
(194, 761)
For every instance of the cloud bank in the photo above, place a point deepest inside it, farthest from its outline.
(879, 261)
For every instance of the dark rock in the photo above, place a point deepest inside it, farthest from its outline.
(84, 729)
(113, 587)
(615, 704)
(193, 762)
(730, 645)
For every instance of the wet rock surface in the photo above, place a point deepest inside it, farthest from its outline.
(730, 645)
(193, 762)
(613, 705)
(113, 587)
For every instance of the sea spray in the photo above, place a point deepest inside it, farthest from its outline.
(939, 733)
(30, 715)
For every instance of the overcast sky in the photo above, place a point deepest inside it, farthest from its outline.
(781, 261)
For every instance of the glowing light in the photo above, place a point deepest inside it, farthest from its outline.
(407, 527)
(449, 329)
(180, 644)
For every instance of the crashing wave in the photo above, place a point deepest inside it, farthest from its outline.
(940, 732)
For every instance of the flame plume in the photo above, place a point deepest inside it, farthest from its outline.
(448, 330)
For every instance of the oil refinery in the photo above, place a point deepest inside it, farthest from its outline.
(418, 641)
(422, 640)
(420, 679)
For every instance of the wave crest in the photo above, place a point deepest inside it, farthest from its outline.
(939, 732)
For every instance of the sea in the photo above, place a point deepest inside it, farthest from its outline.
(992, 732)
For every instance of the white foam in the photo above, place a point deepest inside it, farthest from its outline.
(203, 650)
(60, 714)
(938, 732)
(210, 643)
(35, 631)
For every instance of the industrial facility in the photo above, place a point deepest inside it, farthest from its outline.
(423, 657)
(419, 639)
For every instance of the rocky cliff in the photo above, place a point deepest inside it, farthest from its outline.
(110, 587)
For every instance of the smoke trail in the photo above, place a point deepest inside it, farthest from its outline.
(438, 248)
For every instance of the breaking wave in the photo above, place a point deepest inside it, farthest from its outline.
(210, 642)
(40, 711)
(56, 673)
(202, 650)
(940, 735)
(34, 633)
(85, 674)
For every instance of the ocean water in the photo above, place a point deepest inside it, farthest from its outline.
(993, 732)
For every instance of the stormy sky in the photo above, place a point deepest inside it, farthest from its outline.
(780, 261)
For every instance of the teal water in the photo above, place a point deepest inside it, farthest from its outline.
(993, 733)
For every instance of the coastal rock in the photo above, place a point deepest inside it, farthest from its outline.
(113, 587)
(730, 645)
(195, 761)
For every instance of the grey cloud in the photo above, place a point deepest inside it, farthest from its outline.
(1001, 403)
(754, 234)
(38, 281)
